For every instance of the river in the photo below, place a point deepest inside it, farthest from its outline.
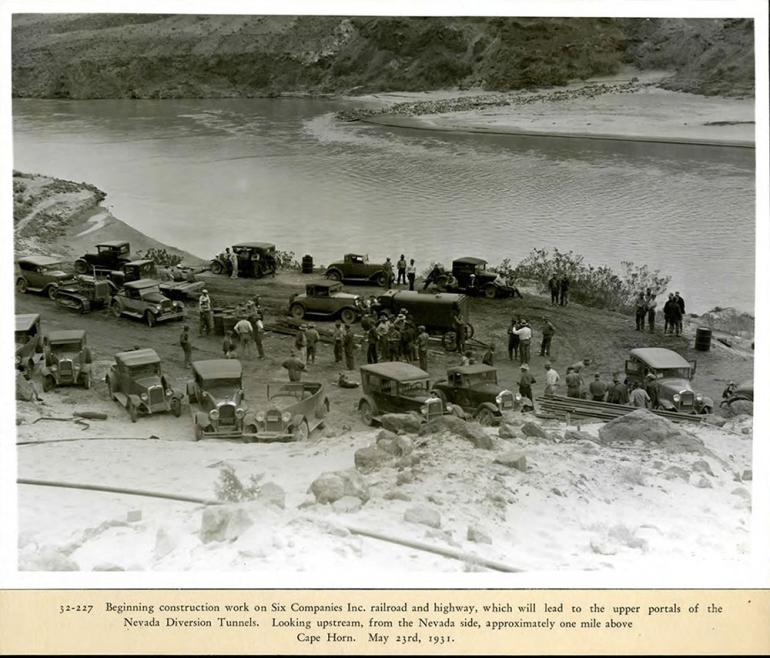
(202, 174)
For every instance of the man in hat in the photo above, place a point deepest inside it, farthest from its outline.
(639, 397)
(383, 346)
(548, 331)
(513, 339)
(371, 343)
(388, 270)
(411, 273)
(489, 356)
(618, 393)
(423, 339)
(245, 333)
(337, 334)
(295, 367)
(205, 314)
(651, 386)
(525, 382)
(574, 383)
(553, 287)
(300, 343)
(680, 303)
(552, 379)
(312, 337)
(401, 267)
(597, 388)
(184, 341)
(394, 338)
(259, 332)
(228, 345)
(349, 347)
(525, 338)
(234, 262)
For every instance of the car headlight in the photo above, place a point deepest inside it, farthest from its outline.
(239, 413)
(169, 392)
(449, 407)
(499, 398)
(285, 416)
(214, 414)
(699, 398)
(157, 309)
(143, 396)
(517, 397)
(677, 397)
(260, 417)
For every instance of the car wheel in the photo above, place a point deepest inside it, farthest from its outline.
(302, 432)
(149, 318)
(21, 285)
(216, 267)
(51, 291)
(469, 331)
(348, 316)
(116, 309)
(133, 413)
(706, 410)
(176, 407)
(87, 380)
(251, 429)
(49, 383)
(109, 388)
(449, 341)
(442, 281)
(297, 311)
(334, 275)
(485, 416)
(440, 395)
(380, 279)
(367, 413)
(81, 267)
(490, 292)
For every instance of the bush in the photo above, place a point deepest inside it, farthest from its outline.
(286, 260)
(229, 488)
(160, 257)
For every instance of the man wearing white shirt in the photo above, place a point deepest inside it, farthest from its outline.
(525, 338)
(551, 380)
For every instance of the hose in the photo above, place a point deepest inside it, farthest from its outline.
(91, 438)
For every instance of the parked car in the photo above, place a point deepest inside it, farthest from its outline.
(136, 381)
(475, 389)
(396, 387)
(142, 299)
(136, 270)
(744, 391)
(672, 373)
(356, 267)
(469, 275)
(434, 310)
(217, 389)
(327, 299)
(85, 292)
(255, 260)
(109, 256)
(27, 337)
(40, 274)
(294, 410)
(67, 359)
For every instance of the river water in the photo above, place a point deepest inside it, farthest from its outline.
(201, 174)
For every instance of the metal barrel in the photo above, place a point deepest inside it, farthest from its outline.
(307, 264)
(703, 339)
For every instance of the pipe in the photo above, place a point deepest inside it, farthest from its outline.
(92, 438)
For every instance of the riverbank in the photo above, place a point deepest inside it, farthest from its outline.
(627, 107)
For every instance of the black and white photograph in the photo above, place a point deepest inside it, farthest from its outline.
(355, 297)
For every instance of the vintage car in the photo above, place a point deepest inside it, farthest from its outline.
(475, 389)
(217, 389)
(137, 382)
(143, 299)
(85, 292)
(325, 298)
(355, 267)
(40, 274)
(255, 260)
(294, 410)
(744, 391)
(396, 387)
(672, 374)
(109, 256)
(29, 344)
(436, 311)
(67, 359)
(470, 276)
(147, 269)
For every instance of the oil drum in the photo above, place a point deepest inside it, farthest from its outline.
(703, 339)
(307, 264)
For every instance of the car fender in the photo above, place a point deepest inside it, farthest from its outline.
(296, 420)
(374, 275)
(707, 402)
(85, 368)
(335, 270)
(201, 418)
(135, 400)
(45, 371)
(667, 405)
(370, 400)
(488, 405)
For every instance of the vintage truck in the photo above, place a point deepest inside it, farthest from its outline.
(85, 292)
(137, 382)
(326, 299)
(293, 411)
(67, 359)
(142, 299)
(136, 270)
(217, 389)
(255, 260)
(356, 268)
(28, 340)
(470, 276)
(396, 387)
(109, 256)
(40, 274)
(475, 389)
(436, 311)
(671, 373)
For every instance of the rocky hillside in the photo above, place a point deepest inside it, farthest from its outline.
(161, 56)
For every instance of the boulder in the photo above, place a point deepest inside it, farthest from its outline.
(739, 407)
(746, 475)
(703, 483)
(702, 466)
(405, 477)
(347, 504)
(333, 485)
(471, 431)
(578, 436)
(397, 445)
(47, 558)
(406, 423)
(645, 426)
(164, 544)
(423, 515)
(588, 448)
(513, 460)
(395, 494)
(673, 472)
(507, 431)
(272, 494)
(371, 458)
(533, 430)
(224, 522)
(478, 536)
(24, 389)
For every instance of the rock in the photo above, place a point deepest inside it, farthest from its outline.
(702, 466)
(347, 504)
(47, 558)
(513, 460)
(371, 458)
(703, 483)
(645, 426)
(423, 515)
(107, 566)
(602, 548)
(407, 461)
(745, 430)
(533, 430)
(164, 543)
(24, 389)
(471, 431)
(272, 494)
(224, 522)
(507, 431)
(395, 494)
(746, 475)
(134, 515)
(673, 472)
(478, 536)
(588, 448)
(623, 535)
(740, 407)
(332, 486)
(404, 477)
(407, 423)
(557, 492)
(713, 419)
(397, 445)
(578, 436)
(741, 492)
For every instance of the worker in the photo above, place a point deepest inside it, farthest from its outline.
(459, 326)
(294, 366)
(228, 345)
(389, 277)
(312, 337)
(337, 335)
(525, 382)
(401, 267)
(548, 331)
(349, 347)
(618, 393)
(411, 273)
(597, 388)
(525, 338)
(423, 339)
(300, 343)
(259, 333)
(574, 383)
(184, 341)
(639, 397)
(371, 344)
(552, 379)
(489, 356)
(513, 339)
(234, 264)
(205, 314)
(245, 333)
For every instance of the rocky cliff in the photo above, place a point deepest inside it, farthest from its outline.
(161, 56)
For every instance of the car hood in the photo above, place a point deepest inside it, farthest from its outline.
(155, 298)
(491, 390)
(675, 385)
(345, 295)
(58, 275)
(146, 382)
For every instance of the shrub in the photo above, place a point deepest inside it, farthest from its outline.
(229, 487)
(160, 257)
(286, 260)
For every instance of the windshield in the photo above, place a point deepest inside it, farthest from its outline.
(146, 370)
(413, 389)
(65, 348)
(679, 373)
(483, 378)
(150, 291)
(222, 388)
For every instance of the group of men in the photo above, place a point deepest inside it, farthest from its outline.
(395, 339)
(406, 273)
(673, 312)
(559, 289)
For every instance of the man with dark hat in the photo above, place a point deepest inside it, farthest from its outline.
(423, 340)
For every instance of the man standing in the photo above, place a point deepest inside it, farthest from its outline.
(525, 382)
(459, 326)
(548, 331)
(411, 273)
(651, 386)
(205, 314)
(618, 393)
(651, 304)
(312, 337)
(597, 388)
(574, 382)
(525, 338)
(295, 367)
(553, 286)
(228, 263)
(408, 337)
(394, 339)
(349, 346)
(641, 311)
(564, 291)
(371, 344)
(513, 339)
(489, 356)
(680, 302)
(668, 324)
(401, 266)
(228, 345)
(300, 344)
(259, 332)
(639, 397)
(383, 346)
(551, 380)
(388, 269)
(184, 341)
(245, 331)
(422, 347)
(234, 263)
